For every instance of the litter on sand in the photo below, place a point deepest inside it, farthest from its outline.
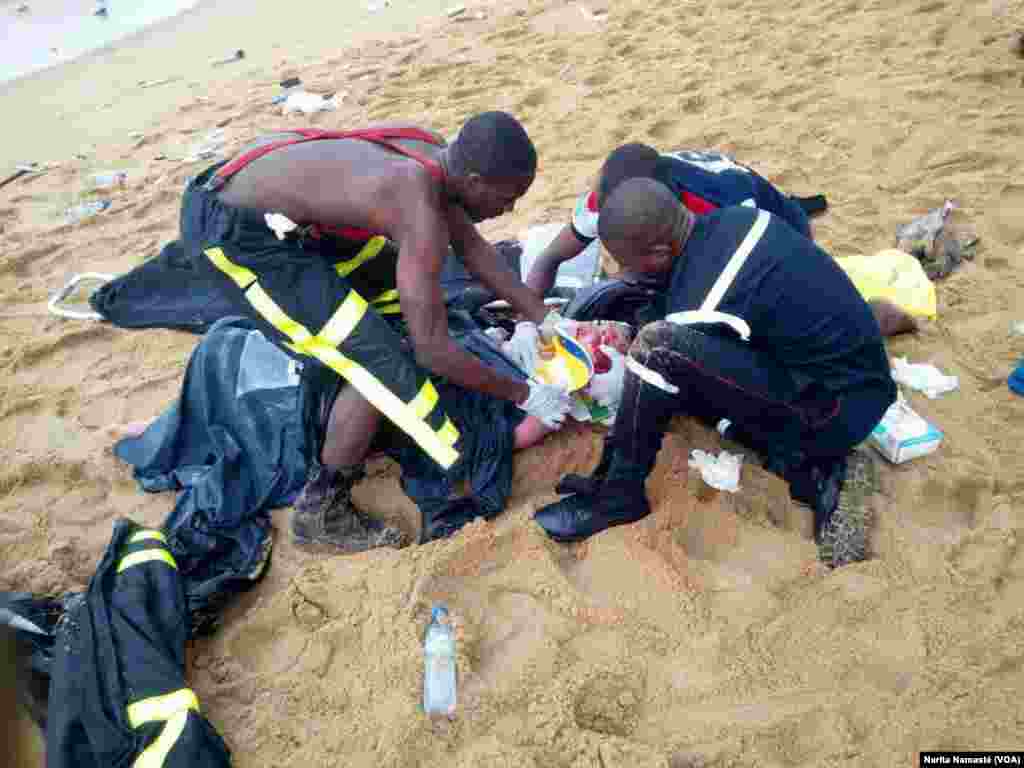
(923, 377)
(309, 103)
(721, 472)
(236, 56)
(938, 242)
(903, 435)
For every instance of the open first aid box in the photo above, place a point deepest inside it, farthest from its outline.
(903, 435)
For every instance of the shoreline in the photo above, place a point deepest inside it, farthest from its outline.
(54, 105)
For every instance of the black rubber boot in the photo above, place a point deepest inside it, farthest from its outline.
(818, 484)
(574, 483)
(325, 516)
(620, 499)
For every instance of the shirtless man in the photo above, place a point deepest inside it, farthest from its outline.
(330, 285)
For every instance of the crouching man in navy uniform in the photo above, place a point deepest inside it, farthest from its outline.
(761, 328)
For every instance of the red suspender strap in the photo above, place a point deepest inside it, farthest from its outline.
(379, 136)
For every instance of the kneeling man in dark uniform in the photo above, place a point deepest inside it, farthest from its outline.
(761, 327)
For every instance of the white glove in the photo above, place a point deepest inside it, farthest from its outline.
(522, 347)
(547, 403)
(552, 321)
(606, 388)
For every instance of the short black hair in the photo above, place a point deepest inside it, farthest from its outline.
(493, 145)
(629, 161)
(639, 210)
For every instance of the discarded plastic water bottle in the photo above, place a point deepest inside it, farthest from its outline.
(85, 210)
(439, 668)
(108, 180)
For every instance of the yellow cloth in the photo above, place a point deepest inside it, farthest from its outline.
(894, 275)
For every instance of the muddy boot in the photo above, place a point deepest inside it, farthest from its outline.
(325, 515)
(619, 499)
(844, 538)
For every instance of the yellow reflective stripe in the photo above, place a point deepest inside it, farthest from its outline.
(389, 309)
(147, 535)
(157, 709)
(425, 400)
(344, 320)
(146, 556)
(155, 755)
(276, 316)
(368, 251)
(438, 445)
(172, 710)
(243, 277)
(386, 297)
(388, 403)
(448, 432)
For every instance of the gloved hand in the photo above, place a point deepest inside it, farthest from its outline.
(522, 348)
(606, 388)
(547, 402)
(551, 321)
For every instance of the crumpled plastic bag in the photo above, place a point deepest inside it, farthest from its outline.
(308, 103)
(925, 228)
(721, 472)
(938, 241)
(923, 377)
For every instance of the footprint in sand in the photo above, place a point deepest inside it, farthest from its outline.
(534, 98)
(1009, 214)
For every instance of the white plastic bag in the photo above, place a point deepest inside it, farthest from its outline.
(923, 377)
(721, 472)
(308, 103)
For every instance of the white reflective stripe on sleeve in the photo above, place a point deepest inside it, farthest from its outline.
(736, 263)
(585, 220)
(692, 316)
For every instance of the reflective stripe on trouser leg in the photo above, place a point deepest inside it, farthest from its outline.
(157, 553)
(171, 709)
(368, 252)
(348, 329)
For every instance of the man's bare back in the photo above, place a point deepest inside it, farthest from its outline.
(337, 182)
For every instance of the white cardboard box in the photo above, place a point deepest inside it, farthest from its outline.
(903, 435)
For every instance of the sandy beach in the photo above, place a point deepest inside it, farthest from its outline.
(706, 635)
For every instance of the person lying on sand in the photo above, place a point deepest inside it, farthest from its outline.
(704, 181)
(323, 285)
(762, 328)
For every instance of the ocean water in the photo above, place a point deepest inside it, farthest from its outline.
(50, 32)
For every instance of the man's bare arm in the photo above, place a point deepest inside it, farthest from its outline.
(419, 286)
(482, 261)
(545, 269)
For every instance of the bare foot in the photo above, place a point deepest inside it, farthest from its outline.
(891, 319)
(129, 429)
